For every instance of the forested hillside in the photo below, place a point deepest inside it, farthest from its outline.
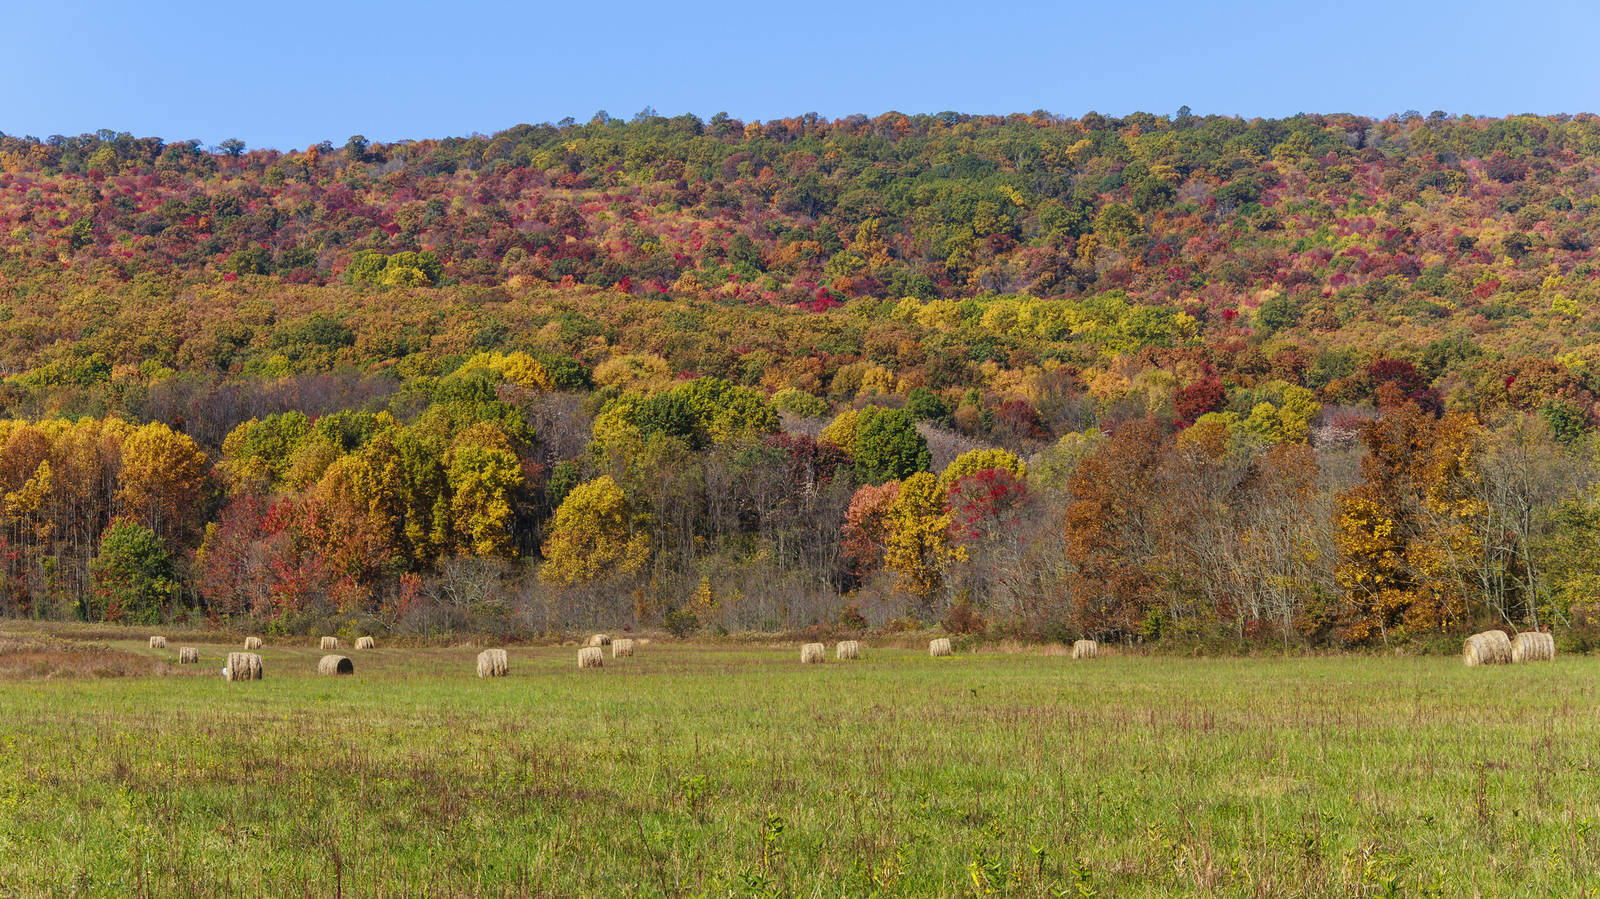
(1324, 380)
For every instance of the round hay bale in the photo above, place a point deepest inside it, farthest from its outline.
(620, 647)
(591, 657)
(366, 643)
(1533, 646)
(939, 647)
(813, 654)
(847, 650)
(334, 665)
(492, 663)
(1487, 648)
(598, 640)
(643, 641)
(330, 643)
(243, 666)
(158, 642)
(188, 655)
(252, 642)
(1085, 649)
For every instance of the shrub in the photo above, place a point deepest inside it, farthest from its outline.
(964, 618)
(681, 623)
(852, 619)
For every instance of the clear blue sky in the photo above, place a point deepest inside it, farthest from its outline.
(290, 73)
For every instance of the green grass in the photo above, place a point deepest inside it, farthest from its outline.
(717, 771)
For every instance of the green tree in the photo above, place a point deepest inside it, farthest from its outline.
(1277, 312)
(260, 449)
(1567, 421)
(725, 411)
(400, 479)
(888, 446)
(132, 574)
(924, 405)
(799, 403)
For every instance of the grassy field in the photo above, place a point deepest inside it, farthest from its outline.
(734, 771)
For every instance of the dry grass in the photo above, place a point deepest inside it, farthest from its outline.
(35, 655)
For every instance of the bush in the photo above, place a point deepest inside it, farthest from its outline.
(852, 619)
(964, 618)
(681, 623)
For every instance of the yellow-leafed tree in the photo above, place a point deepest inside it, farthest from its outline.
(595, 535)
(974, 461)
(484, 476)
(163, 479)
(917, 546)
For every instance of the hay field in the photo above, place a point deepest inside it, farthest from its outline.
(736, 771)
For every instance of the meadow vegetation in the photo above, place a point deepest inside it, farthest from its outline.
(723, 769)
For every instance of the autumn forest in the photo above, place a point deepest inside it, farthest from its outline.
(1325, 381)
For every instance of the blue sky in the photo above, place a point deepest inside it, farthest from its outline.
(291, 73)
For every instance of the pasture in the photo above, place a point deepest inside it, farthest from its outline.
(734, 770)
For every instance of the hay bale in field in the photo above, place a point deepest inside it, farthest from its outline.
(332, 665)
(1487, 648)
(252, 642)
(330, 643)
(939, 647)
(620, 647)
(813, 654)
(492, 663)
(598, 640)
(1533, 646)
(847, 650)
(591, 657)
(188, 655)
(243, 666)
(366, 643)
(1085, 649)
(158, 642)
(643, 641)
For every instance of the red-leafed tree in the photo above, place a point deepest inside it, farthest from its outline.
(1198, 398)
(985, 503)
(866, 524)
